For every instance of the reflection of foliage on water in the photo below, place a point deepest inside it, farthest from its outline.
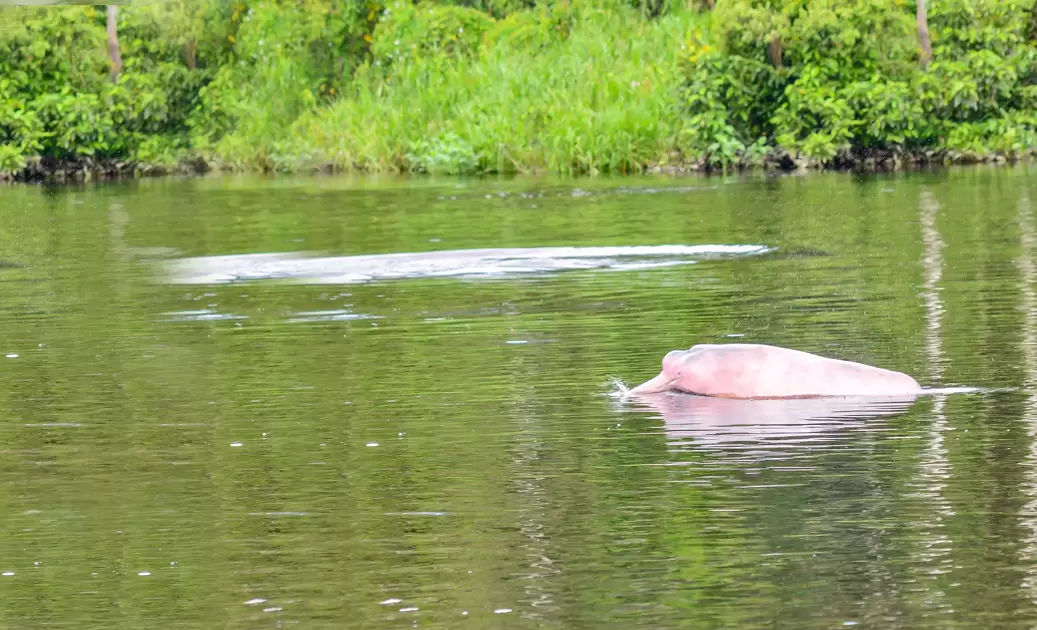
(533, 473)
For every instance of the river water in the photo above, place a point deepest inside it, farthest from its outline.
(327, 436)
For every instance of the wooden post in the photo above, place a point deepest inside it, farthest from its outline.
(774, 51)
(191, 53)
(114, 54)
(922, 21)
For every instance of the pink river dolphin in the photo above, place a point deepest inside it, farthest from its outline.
(742, 370)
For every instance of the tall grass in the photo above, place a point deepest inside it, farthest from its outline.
(602, 99)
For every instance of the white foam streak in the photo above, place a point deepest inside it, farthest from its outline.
(311, 269)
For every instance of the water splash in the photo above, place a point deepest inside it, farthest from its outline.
(617, 388)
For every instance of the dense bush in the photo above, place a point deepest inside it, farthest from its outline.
(465, 86)
(533, 29)
(848, 80)
(214, 77)
(424, 29)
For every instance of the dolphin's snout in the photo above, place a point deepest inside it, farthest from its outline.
(660, 383)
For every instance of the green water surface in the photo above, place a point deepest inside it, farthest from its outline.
(452, 454)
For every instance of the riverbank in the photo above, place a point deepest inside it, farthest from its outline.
(582, 87)
(777, 162)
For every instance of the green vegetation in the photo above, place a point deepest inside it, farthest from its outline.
(579, 86)
(850, 82)
(565, 90)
